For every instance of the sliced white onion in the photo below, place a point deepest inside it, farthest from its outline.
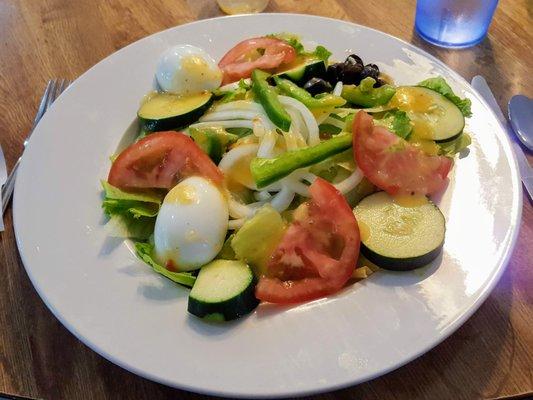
(234, 85)
(258, 128)
(229, 114)
(294, 184)
(235, 154)
(234, 224)
(282, 200)
(291, 140)
(322, 117)
(263, 195)
(298, 127)
(238, 115)
(351, 182)
(224, 124)
(335, 122)
(267, 144)
(337, 90)
(307, 116)
(241, 105)
(238, 209)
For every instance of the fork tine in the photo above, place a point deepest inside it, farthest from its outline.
(42, 104)
(51, 96)
(65, 85)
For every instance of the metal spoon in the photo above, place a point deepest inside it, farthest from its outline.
(521, 117)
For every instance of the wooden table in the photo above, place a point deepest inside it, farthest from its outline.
(489, 357)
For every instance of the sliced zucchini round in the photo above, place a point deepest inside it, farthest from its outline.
(400, 233)
(167, 111)
(434, 117)
(302, 73)
(224, 290)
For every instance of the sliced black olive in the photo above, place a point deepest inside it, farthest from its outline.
(354, 59)
(370, 70)
(317, 85)
(351, 74)
(379, 82)
(334, 73)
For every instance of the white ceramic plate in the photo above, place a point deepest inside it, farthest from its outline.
(113, 303)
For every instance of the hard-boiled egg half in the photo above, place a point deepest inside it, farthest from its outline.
(191, 225)
(186, 69)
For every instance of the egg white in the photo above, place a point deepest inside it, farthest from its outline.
(191, 225)
(186, 69)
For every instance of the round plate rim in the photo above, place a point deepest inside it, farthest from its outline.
(447, 331)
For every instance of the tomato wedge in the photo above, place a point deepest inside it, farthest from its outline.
(393, 164)
(317, 254)
(160, 160)
(239, 61)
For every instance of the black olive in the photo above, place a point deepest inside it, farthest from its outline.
(370, 70)
(351, 74)
(354, 59)
(317, 85)
(379, 83)
(334, 73)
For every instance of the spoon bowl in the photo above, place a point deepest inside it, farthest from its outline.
(521, 116)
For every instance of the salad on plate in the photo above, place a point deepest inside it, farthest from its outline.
(279, 175)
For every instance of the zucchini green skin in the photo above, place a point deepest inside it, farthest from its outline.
(174, 122)
(447, 126)
(400, 264)
(233, 308)
(379, 213)
(224, 290)
(300, 75)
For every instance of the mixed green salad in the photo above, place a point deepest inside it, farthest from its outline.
(261, 178)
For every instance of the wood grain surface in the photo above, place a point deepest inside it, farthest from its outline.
(489, 357)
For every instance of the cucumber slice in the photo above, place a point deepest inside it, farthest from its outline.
(224, 290)
(434, 117)
(302, 73)
(400, 237)
(167, 111)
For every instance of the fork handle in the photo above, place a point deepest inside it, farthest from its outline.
(7, 189)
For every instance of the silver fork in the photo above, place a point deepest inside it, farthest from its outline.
(53, 89)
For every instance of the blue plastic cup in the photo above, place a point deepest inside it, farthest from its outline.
(454, 23)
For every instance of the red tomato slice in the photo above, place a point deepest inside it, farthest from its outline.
(236, 63)
(160, 160)
(317, 254)
(393, 164)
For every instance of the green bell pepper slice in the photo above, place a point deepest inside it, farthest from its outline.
(293, 90)
(366, 95)
(266, 171)
(268, 98)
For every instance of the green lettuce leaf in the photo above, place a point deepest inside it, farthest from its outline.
(127, 226)
(144, 252)
(239, 93)
(320, 52)
(455, 146)
(396, 121)
(116, 201)
(131, 215)
(440, 85)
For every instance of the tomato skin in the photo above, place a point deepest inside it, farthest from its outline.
(159, 161)
(317, 254)
(235, 66)
(393, 164)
